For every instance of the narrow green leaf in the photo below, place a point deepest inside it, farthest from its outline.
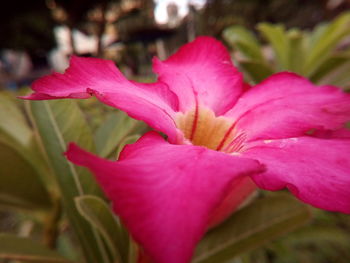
(339, 77)
(319, 235)
(252, 226)
(58, 123)
(242, 39)
(327, 243)
(330, 66)
(13, 123)
(277, 37)
(314, 36)
(326, 39)
(255, 70)
(66, 246)
(20, 184)
(99, 214)
(133, 252)
(25, 249)
(113, 130)
(24, 172)
(296, 51)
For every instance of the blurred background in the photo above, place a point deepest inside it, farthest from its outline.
(310, 37)
(37, 37)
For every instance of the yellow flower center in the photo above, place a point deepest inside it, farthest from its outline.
(203, 128)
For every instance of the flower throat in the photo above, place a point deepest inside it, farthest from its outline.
(203, 128)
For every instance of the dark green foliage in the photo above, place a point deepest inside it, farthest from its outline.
(318, 55)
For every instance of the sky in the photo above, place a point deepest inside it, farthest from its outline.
(161, 13)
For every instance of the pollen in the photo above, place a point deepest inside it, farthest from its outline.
(201, 127)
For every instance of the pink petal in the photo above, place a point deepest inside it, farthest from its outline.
(286, 105)
(165, 193)
(315, 170)
(202, 71)
(153, 103)
(241, 190)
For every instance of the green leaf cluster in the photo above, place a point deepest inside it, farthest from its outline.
(326, 240)
(38, 185)
(252, 226)
(322, 55)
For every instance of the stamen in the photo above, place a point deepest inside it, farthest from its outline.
(237, 144)
(202, 127)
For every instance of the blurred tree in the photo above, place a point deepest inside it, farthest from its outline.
(74, 14)
(26, 25)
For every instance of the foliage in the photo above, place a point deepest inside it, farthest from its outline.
(320, 55)
(244, 231)
(326, 240)
(220, 14)
(56, 193)
(36, 179)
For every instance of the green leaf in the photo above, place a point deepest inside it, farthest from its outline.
(20, 184)
(277, 37)
(314, 36)
(319, 235)
(256, 71)
(339, 77)
(245, 41)
(296, 51)
(99, 214)
(252, 226)
(325, 41)
(330, 66)
(322, 243)
(114, 129)
(58, 123)
(27, 250)
(13, 124)
(66, 246)
(24, 172)
(133, 252)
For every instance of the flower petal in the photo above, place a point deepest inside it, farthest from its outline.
(153, 103)
(315, 170)
(240, 191)
(202, 71)
(165, 193)
(287, 105)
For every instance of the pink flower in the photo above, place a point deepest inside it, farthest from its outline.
(220, 133)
